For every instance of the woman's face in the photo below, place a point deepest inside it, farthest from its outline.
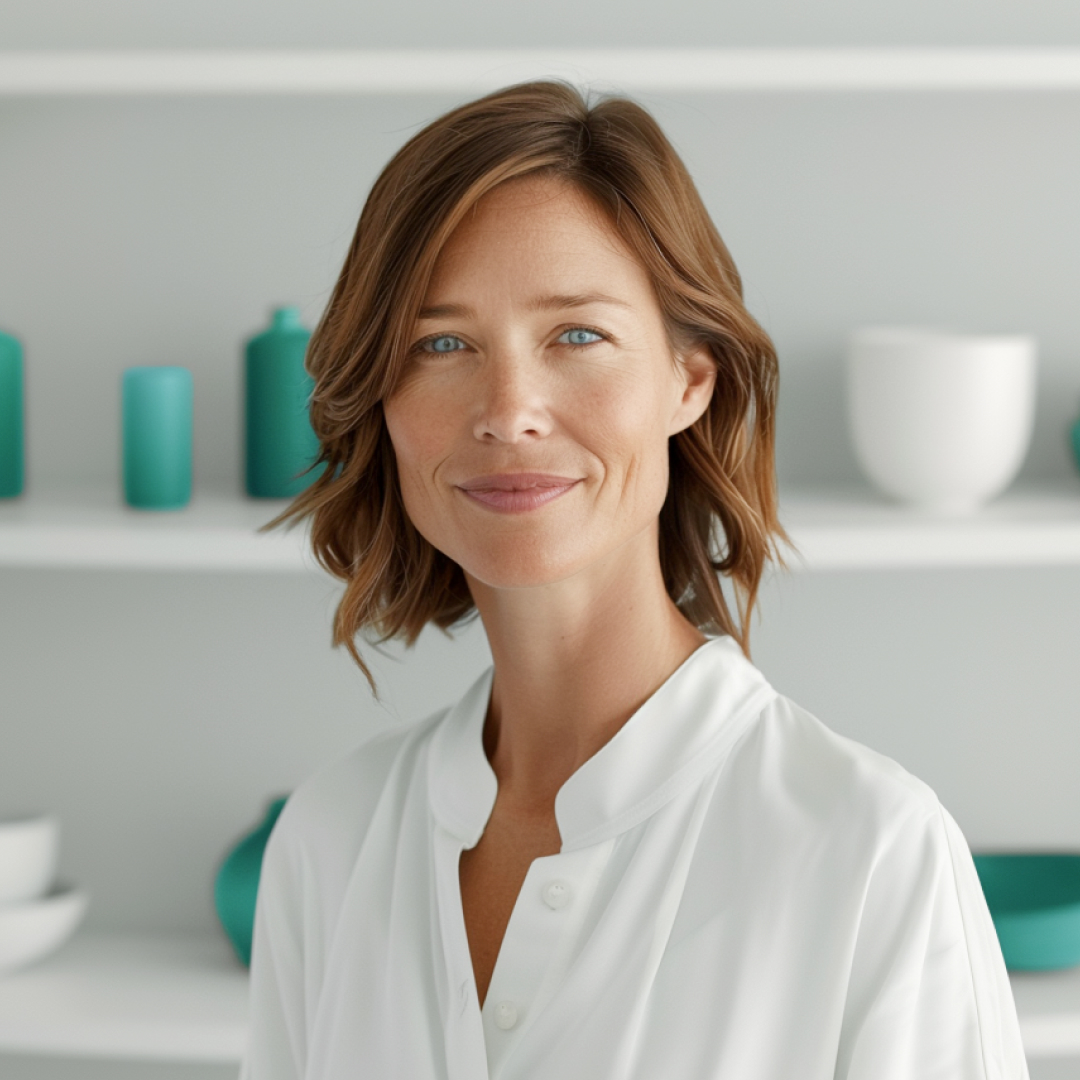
(540, 349)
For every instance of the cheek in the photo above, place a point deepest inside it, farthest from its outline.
(420, 443)
(415, 423)
(624, 421)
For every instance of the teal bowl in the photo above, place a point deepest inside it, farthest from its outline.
(1034, 900)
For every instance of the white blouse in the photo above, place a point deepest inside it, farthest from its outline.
(741, 894)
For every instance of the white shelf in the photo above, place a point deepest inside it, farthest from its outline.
(457, 71)
(184, 998)
(853, 529)
(83, 528)
(857, 529)
(1048, 1006)
(165, 998)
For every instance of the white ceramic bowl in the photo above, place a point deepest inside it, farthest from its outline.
(35, 928)
(940, 420)
(28, 852)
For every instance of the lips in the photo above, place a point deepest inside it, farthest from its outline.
(516, 492)
(516, 482)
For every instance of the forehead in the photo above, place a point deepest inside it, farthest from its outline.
(537, 226)
(539, 197)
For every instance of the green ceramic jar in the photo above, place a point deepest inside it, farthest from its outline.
(236, 887)
(156, 406)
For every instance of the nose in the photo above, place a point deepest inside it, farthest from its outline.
(511, 399)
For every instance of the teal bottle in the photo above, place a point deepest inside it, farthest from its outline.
(11, 417)
(1075, 433)
(279, 441)
(237, 884)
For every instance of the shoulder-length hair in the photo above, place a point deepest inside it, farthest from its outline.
(720, 514)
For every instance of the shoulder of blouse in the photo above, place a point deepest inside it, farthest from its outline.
(332, 808)
(834, 779)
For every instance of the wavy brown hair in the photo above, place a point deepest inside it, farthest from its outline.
(720, 514)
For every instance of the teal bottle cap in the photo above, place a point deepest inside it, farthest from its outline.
(286, 318)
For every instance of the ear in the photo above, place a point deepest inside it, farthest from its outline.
(698, 371)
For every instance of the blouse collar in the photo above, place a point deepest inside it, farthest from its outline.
(670, 743)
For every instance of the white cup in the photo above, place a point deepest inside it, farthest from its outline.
(28, 853)
(938, 419)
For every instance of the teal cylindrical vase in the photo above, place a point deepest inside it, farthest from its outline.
(236, 887)
(157, 420)
(280, 444)
(11, 417)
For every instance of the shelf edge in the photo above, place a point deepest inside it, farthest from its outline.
(337, 71)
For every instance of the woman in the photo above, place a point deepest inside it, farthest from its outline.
(621, 854)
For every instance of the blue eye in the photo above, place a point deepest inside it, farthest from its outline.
(580, 336)
(445, 343)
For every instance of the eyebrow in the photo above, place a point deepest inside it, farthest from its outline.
(555, 302)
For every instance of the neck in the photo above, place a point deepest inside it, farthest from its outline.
(574, 660)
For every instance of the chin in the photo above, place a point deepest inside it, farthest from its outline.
(519, 568)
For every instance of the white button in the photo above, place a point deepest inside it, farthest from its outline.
(556, 894)
(506, 1015)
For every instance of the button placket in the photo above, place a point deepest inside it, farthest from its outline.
(534, 937)
(538, 945)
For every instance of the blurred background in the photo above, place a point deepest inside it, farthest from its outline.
(157, 712)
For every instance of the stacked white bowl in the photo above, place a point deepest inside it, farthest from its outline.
(36, 913)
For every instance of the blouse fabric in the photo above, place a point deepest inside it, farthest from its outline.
(740, 892)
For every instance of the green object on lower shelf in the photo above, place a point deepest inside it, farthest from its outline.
(1034, 900)
(11, 416)
(237, 884)
(1075, 433)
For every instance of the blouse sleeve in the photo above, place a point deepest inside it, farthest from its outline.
(929, 997)
(277, 1040)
